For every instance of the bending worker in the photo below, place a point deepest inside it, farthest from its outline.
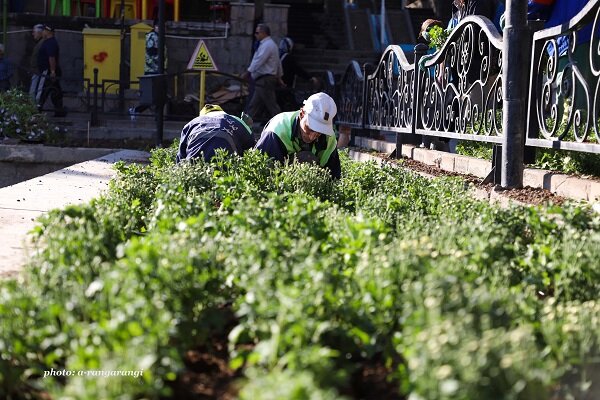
(214, 129)
(306, 134)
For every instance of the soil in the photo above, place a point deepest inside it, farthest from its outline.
(526, 195)
(207, 374)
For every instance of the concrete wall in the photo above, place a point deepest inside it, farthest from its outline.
(23, 162)
(231, 52)
(15, 172)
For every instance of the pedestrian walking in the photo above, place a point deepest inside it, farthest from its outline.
(151, 65)
(38, 38)
(49, 82)
(266, 71)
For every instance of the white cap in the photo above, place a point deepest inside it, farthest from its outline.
(320, 110)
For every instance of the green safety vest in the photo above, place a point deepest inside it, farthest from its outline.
(283, 124)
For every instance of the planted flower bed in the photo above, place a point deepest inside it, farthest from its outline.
(239, 280)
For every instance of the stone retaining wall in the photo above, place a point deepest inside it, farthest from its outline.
(23, 162)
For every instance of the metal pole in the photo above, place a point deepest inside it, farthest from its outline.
(161, 70)
(4, 23)
(94, 116)
(202, 89)
(122, 65)
(514, 57)
(382, 27)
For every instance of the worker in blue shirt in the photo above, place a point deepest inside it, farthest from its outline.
(214, 129)
(306, 134)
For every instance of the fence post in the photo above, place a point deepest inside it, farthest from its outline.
(94, 116)
(366, 70)
(420, 50)
(515, 54)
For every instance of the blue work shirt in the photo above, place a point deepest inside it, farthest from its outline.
(203, 135)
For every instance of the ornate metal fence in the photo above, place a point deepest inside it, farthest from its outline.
(457, 92)
(460, 92)
(389, 93)
(350, 96)
(564, 109)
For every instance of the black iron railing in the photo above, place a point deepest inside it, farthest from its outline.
(459, 91)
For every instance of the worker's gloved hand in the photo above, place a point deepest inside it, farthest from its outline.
(306, 157)
(423, 60)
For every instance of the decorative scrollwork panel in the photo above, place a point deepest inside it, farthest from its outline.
(564, 95)
(461, 84)
(390, 91)
(350, 102)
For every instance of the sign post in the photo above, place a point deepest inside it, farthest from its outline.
(202, 61)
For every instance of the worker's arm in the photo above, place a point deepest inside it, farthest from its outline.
(272, 145)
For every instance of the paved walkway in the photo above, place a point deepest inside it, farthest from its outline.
(23, 203)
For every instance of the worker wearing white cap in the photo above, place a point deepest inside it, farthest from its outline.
(306, 134)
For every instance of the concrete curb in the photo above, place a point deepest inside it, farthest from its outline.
(568, 186)
(23, 203)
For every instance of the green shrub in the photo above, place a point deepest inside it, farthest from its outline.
(21, 119)
(451, 298)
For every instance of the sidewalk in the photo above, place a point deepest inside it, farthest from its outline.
(23, 203)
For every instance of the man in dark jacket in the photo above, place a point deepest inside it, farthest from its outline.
(305, 134)
(49, 65)
(214, 129)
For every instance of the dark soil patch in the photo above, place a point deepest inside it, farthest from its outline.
(526, 195)
(371, 382)
(207, 374)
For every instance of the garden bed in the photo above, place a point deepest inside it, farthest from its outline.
(240, 279)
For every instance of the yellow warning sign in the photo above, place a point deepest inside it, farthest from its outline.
(201, 59)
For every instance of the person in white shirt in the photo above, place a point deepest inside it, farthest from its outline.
(265, 69)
